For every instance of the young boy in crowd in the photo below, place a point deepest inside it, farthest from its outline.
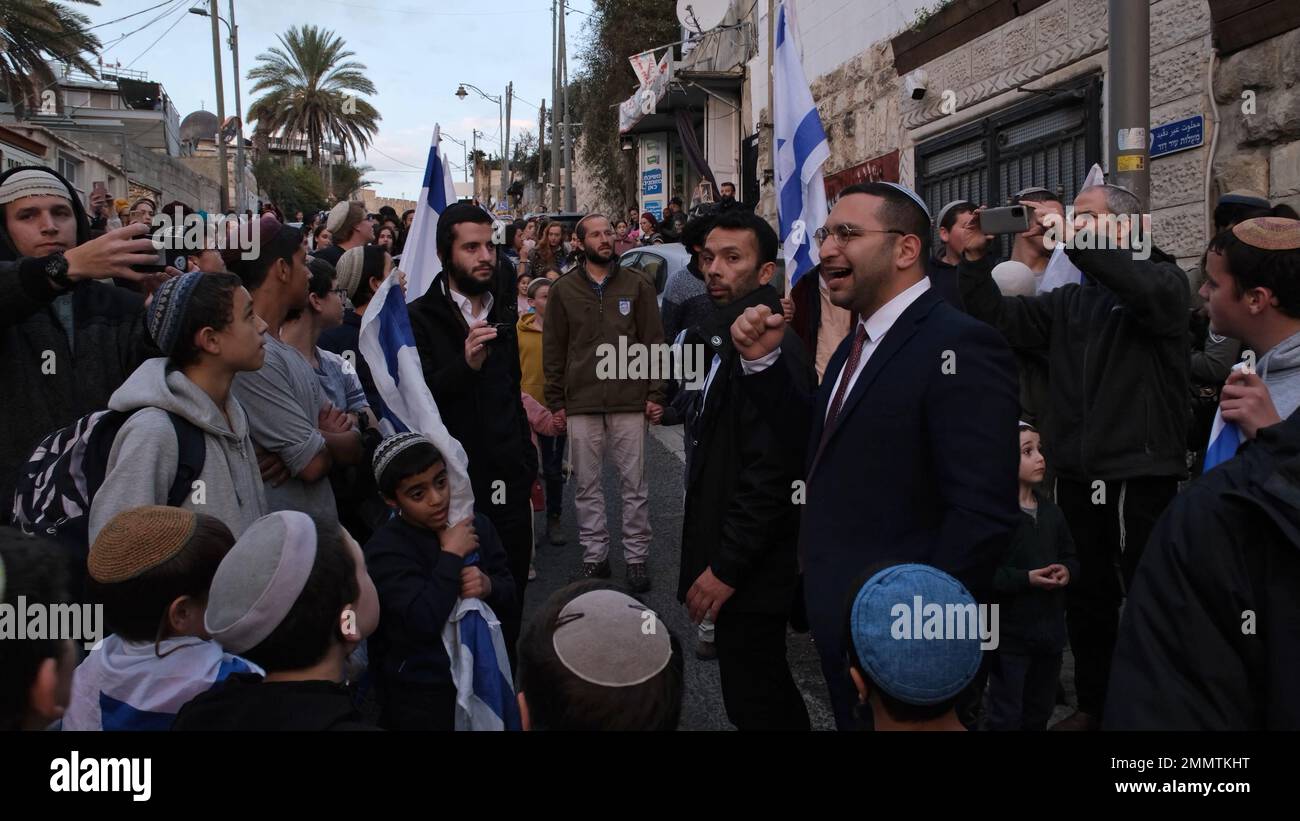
(35, 674)
(588, 662)
(297, 599)
(910, 682)
(1040, 562)
(421, 565)
(151, 567)
(533, 382)
(205, 326)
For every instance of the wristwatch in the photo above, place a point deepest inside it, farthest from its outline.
(57, 270)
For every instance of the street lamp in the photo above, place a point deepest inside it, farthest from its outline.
(503, 111)
(233, 42)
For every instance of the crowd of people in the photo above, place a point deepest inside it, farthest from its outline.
(200, 453)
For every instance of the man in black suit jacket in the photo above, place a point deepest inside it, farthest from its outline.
(912, 437)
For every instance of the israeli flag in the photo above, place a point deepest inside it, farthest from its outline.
(480, 667)
(420, 254)
(801, 148)
(388, 344)
(1225, 437)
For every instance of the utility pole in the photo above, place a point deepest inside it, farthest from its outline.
(241, 194)
(541, 150)
(221, 109)
(570, 200)
(1128, 97)
(555, 106)
(474, 156)
(505, 170)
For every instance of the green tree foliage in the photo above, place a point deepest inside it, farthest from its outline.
(616, 30)
(32, 31)
(311, 93)
(292, 188)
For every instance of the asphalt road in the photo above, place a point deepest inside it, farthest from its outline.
(557, 566)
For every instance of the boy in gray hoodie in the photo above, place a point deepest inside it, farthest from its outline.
(206, 326)
(1252, 293)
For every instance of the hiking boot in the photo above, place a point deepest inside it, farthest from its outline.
(638, 580)
(596, 570)
(706, 651)
(1076, 722)
(553, 530)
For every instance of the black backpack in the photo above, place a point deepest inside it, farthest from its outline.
(59, 481)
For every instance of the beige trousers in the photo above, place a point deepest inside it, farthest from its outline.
(622, 437)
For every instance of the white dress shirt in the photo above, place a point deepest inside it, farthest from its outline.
(467, 309)
(877, 325)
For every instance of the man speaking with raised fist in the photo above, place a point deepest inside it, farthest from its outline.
(912, 442)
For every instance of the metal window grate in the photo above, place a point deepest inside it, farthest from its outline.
(1049, 142)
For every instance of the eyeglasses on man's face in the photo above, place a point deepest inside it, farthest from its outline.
(845, 232)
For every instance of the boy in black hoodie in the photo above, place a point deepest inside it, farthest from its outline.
(1039, 564)
(421, 567)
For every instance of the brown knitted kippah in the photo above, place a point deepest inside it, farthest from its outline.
(136, 541)
(1269, 233)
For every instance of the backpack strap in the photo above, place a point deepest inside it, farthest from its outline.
(192, 451)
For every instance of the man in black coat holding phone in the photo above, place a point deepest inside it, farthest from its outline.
(472, 367)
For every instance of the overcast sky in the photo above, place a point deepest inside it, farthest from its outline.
(415, 51)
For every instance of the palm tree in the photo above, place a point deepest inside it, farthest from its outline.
(29, 31)
(309, 93)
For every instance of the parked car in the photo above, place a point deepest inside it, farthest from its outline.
(657, 263)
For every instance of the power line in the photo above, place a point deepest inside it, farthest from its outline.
(118, 41)
(394, 159)
(184, 11)
(422, 12)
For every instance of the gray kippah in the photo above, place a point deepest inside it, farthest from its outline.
(610, 639)
(943, 212)
(259, 580)
(31, 182)
(393, 445)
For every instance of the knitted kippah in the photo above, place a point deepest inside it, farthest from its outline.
(943, 212)
(347, 271)
(390, 447)
(1244, 197)
(31, 182)
(1269, 233)
(166, 312)
(138, 540)
(536, 285)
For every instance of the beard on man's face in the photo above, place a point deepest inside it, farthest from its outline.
(595, 257)
(467, 283)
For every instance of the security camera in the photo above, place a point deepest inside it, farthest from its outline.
(916, 84)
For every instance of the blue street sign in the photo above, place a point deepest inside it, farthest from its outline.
(1177, 136)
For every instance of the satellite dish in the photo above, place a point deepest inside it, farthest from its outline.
(699, 16)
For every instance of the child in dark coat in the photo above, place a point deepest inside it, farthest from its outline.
(1039, 563)
(421, 567)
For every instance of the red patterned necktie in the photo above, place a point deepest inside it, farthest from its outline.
(846, 376)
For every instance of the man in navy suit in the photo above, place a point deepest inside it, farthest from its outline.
(912, 443)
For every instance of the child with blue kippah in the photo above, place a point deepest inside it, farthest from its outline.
(908, 679)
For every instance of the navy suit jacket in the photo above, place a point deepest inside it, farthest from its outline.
(921, 466)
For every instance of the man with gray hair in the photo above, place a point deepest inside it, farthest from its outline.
(69, 337)
(1116, 427)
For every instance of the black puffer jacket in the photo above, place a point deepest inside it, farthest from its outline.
(1208, 638)
(49, 382)
(1117, 361)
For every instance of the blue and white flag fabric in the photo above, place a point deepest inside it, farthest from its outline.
(1225, 437)
(801, 149)
(137, 685)
(420, 254)
(480, 667)
(388, 344)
